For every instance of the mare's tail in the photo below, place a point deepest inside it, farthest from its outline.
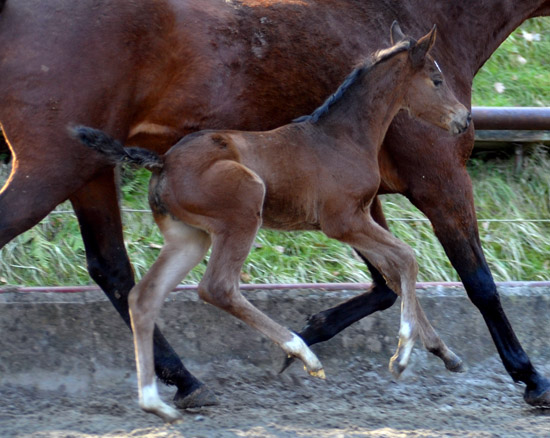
(115, 150)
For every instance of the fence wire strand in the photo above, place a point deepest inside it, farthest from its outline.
(397, 219)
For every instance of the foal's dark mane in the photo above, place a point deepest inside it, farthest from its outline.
(379, 57)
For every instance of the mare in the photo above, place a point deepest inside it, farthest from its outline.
(150, 72)
(218, 187)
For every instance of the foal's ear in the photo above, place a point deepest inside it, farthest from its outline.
(422, 47)
(396, 34)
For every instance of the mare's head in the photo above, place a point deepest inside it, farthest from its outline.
(428, 96)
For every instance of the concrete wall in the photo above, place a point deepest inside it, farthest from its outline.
(78, 338)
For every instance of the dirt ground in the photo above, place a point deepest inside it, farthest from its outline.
(358, 400)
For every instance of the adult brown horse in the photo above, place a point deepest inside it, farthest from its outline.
(149, 72)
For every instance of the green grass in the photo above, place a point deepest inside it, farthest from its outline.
(521, 66)
(52, 253)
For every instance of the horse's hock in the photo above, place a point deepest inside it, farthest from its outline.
(77, 340)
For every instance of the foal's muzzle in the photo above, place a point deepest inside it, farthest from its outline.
(460, 122)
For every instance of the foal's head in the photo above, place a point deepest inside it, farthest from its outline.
(428, 96)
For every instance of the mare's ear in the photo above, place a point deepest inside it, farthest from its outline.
(396, 34)
(422, 47)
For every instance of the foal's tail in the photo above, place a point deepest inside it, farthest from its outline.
(2, 3)
(115, 150)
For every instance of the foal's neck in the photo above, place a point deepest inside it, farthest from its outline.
(372, 102)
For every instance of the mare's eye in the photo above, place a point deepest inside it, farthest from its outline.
(437, 82)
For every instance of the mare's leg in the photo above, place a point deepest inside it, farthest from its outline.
(39, 179)
(457, 231)
(26, 198)
(38, 183)
(5, 153)
(98, 213)
(183, 249)
(396, 261)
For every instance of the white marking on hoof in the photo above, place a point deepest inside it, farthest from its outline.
(298, 348)
(405, 339)
(405, 330)
(406, 354)
(150, 401)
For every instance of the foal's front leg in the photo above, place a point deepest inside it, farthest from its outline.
(397, 263)
(184, 248)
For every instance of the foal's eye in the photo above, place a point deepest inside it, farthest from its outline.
(437, 82)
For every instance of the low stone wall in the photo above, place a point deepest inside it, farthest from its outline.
(76, 339)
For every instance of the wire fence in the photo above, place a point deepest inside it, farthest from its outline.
(389, 219)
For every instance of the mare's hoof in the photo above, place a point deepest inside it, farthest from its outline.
(199, 398)
(537, 398)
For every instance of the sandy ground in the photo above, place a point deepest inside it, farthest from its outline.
(358, 400)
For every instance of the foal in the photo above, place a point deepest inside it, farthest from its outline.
(320, 173)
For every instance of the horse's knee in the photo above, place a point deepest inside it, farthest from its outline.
(114, 274)
(221, 293)
(136, 310)
(141, 313)
(133, 300)
(481, 289)
(96, 268)
(400, 267)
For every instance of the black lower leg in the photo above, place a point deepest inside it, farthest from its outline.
(485, 297)
(326, 324)
(482, 291)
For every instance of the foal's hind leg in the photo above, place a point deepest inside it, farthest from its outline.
(44, 174)
(97, 209)
(220, 287)
(184, 248)
(234, 218)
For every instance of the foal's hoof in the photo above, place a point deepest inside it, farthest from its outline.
(396, 368)
(199, 398)
(537, 398)
(320, 374)
(175, 418)
(169, 415)
(456, 365)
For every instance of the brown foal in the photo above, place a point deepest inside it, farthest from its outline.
(217, 188)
